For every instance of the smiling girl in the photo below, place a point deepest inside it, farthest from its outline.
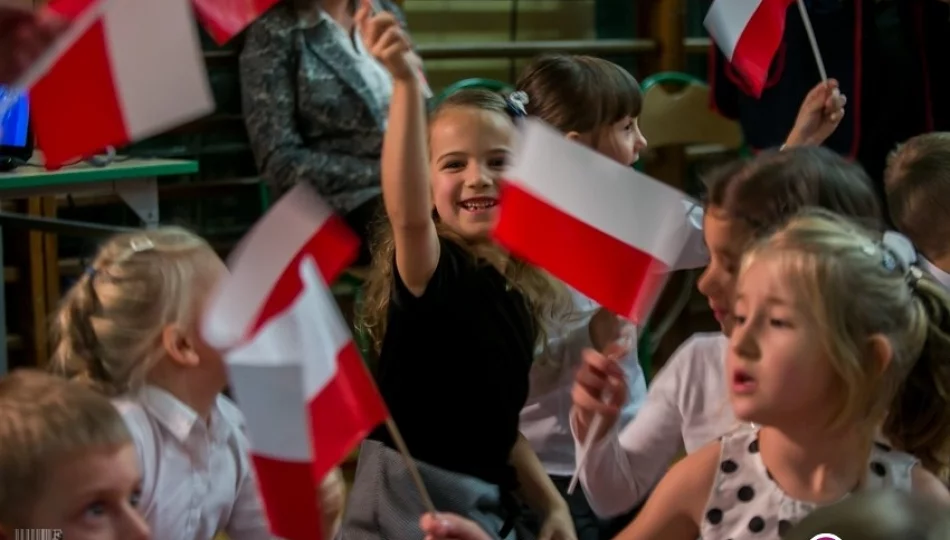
(456, 321)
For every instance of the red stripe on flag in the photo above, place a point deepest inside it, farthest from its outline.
(290, 496)
(224, 19)
(759, 42)
(333, 247)
(75, 106)
(344, 412)
(616, 275)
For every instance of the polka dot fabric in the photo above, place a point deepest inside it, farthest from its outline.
(746, 504)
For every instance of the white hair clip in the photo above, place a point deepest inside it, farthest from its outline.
(517, 101)
(140, 244)
(901, 248)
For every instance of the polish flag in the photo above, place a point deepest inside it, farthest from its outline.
(748, 32)
(224, 19)
(294, 369)
(605, 229)
(135, 72)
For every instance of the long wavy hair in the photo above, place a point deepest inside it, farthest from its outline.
(548, 299)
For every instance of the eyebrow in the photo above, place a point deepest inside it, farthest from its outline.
(769, 300)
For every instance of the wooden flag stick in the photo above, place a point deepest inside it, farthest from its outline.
(811, 39)
(627, 340)
(410, 464)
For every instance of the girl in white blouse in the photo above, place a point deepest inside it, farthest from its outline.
(129, 327)
(687, 402)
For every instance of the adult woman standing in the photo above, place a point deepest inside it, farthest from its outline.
(315, 104)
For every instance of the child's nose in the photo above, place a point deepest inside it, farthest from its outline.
(135, 527)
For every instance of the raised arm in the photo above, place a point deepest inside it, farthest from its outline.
(405, 174)
(269, 102)
(819, 115)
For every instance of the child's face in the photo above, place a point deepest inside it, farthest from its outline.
(622, 141)
(777, 371)
(470, 149)
(725, 240)
(93, 496)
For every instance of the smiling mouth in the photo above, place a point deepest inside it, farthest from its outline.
(479, 204)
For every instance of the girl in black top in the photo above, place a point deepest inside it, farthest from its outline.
(455, 319)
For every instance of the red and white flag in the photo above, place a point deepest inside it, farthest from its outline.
(294, 369)
(605, 229)
(136, 71)
(748, 32)
(224, 19)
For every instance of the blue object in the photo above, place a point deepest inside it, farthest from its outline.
(15, 123)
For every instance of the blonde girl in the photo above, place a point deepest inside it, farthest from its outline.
(833, 336)
(457, 321)
(129, 328)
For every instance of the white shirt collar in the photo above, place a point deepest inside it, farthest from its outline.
(942, 277)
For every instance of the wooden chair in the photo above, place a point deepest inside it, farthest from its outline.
(676, 113)
(683, 117)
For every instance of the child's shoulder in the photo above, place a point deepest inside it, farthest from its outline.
(703, 344)
(700, 354)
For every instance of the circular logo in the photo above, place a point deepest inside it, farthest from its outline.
(825, 537)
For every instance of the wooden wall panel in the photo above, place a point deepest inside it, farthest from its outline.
(472, 21)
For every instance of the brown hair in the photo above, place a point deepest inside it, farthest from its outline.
(765, 191)
(855, 288)
(43, 420)
(108, 326)
(579, 93)
(917, 182)
(548, 299)
(877, 515)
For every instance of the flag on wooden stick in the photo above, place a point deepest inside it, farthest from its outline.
(295, 370)
(748, 32)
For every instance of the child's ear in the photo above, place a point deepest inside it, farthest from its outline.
(180, 347)
(574, 137)
(881, 353)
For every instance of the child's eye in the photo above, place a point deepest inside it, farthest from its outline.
(95, 509)
(780, 323)
(454, 165)
(498, 163)
(738, 319)
(135, 498)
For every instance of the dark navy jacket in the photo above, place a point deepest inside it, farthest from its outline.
(897, 49)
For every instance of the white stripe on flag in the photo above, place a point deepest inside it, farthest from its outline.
(288, 362)
(619, 207)
(260, 259)
(726, 21)
(271, 398)
(156, 76)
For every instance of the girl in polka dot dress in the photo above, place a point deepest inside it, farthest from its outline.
(834, 335)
